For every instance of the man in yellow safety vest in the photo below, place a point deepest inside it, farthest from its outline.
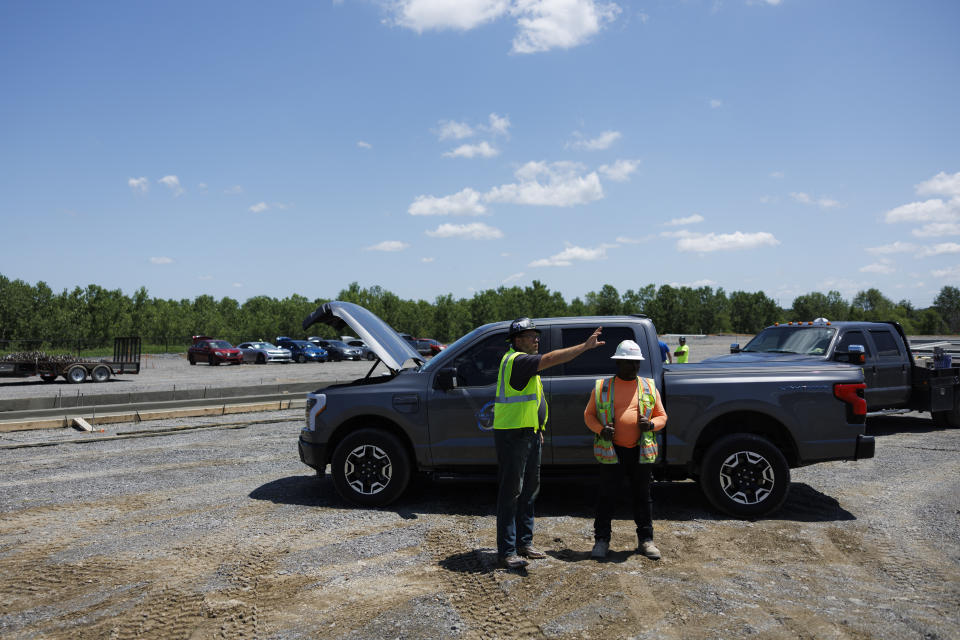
(682, 353)
(519, 418)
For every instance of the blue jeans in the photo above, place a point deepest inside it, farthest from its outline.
(518, 457)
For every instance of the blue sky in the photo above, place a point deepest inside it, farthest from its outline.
(449, 146)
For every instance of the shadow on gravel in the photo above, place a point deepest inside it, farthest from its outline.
(680, 501)
(892, 425)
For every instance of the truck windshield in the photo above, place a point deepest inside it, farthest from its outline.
(802, 340)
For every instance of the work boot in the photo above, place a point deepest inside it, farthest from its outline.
(600, 549)
(533, 554)
(649, 549)
(512, 561)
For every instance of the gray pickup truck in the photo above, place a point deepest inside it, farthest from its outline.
(895, 383)
(737, 428)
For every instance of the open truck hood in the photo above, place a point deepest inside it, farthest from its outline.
(392, 350)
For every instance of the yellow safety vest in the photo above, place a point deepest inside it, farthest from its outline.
(646, 401)
(517, 409)
(681, 354)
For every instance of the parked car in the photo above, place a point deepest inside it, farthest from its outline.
(302, 350)
(429, 346)
(213, 351)
(264, 352)
(737, 428)
(337, 349)
(367, 352)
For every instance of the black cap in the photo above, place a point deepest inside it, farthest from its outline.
(520, 325)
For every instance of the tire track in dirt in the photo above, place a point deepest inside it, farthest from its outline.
(473, 589)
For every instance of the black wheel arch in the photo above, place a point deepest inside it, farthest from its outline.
(752, 422)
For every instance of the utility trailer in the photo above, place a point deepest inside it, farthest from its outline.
(126, 359)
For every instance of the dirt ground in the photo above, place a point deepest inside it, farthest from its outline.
(213, 529)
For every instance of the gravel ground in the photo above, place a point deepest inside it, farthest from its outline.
(211, 527)
(217, 530)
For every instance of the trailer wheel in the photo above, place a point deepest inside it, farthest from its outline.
(100, 373)
(76, 374)
(48, 377)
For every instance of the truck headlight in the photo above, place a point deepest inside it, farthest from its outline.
(318, 402)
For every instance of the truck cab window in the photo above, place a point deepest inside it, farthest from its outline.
(597, 362)
(854, 337)
(478, 365)
(886, 345)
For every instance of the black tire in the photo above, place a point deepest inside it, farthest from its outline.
(192, 360)
(46, 377)
(100, 373)
(370, 467)
(261, 359)
(371, 355)
(76, 374)
(949, 418)
(745, 475)
(213, 361)
(298, 358)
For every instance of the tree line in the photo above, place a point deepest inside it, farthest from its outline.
(92, 316)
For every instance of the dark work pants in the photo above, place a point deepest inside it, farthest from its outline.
(518, 457)
(612, 478)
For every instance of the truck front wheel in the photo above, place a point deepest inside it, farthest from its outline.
(745, 475)
(370, 467)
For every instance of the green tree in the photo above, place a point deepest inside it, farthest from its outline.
(947, 304)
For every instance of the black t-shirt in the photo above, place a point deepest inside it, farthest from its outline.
(525, 366)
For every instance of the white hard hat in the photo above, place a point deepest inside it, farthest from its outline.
(627, 350)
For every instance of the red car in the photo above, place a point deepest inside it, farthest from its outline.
(207, 349)
(429, 346)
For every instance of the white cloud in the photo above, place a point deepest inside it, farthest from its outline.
(474, 230)
(513, 277)
(626, 240)
(260, 207)
(427, 259)
(563, 187)
(776, 175)
(679, 222)
(884, 267)
(499, 125)
(935, 210)
(205, 277)
(463, 203)
(389, 245)
(601, 142)
(896, 247)
(482, 150)
(552, 24)
(139, 185)
(940, 184)
(706, 242)
(823, 203)
(202, 186)
(460, 15)
(938, 229)
(716, 104)
(450, 130)
(573, 254)
(172, 183)
(364, 145)
(952, 273)
(238, 285)
(235, 190)
(939, 249)
(619, 171)
(161, 260)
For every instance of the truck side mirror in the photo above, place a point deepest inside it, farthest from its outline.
(447, 379)
(735, 347)
(855, 354)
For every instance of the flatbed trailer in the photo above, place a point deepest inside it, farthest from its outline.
(126, 359)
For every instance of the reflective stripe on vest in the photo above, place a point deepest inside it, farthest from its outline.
(603, 396)
(517, 409)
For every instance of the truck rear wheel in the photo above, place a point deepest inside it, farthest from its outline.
(76, 374)
(745, 475)
(370, 467)
(100, 373)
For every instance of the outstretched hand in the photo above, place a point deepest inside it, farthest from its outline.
(594, 340)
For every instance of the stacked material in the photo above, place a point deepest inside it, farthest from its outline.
(36, 356)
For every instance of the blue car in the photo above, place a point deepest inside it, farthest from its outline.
(302, 350)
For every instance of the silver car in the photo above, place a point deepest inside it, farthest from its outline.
(264, 352)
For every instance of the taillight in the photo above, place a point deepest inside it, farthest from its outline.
(852, 394)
